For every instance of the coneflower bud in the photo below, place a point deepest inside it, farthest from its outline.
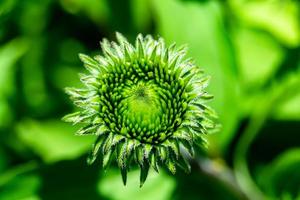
(144, 103)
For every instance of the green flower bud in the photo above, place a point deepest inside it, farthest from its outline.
(144, 103)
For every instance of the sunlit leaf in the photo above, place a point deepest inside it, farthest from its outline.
(53, 140)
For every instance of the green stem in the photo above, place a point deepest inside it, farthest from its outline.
(261, 112)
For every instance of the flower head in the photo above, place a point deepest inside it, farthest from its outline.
(144, 103)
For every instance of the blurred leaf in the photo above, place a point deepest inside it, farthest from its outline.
(3, 160)
(9, 55)
(22, 187)
(96, 10)
(281, 18)
(289, 107)
(6, 6)
(258, 56)
(33, 11)
(33, 78)
(282, 175)
(158, 186)
(141, 14)
(53, 140)
(66, 76)
(200, 26)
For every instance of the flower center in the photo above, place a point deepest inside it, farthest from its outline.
(143, 113)
(143, 101)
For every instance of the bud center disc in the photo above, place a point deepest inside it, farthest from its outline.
(143, 113)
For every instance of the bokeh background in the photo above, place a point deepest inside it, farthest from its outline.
(250, 48)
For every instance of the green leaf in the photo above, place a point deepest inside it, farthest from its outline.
(22, 187)
(278, 18)
(257, 63)
(52, 140)
(281, 176)
(10, 53)
(158, 186)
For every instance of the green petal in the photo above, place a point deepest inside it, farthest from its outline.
(90, 64)
(139, 154)
(121, 39)
(154, 161)
(122, 154)
(96, 147)
(171, 166)
(147, 150)
(163, 153)
(140, 47)
(184, 164)
(188, 146)
(87, 130)
(173, 146)
(107, 158)
(107, 144)
(144, 173)
(124, 174)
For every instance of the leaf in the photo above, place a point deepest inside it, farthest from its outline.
(281, 176)
(10, 53)
(158, 187)
(257, 63)
(24, 186)
(52, 140)
(279, 19)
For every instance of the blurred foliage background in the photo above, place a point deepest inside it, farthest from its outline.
(250, 48)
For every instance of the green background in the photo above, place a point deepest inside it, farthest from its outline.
(251, 49)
